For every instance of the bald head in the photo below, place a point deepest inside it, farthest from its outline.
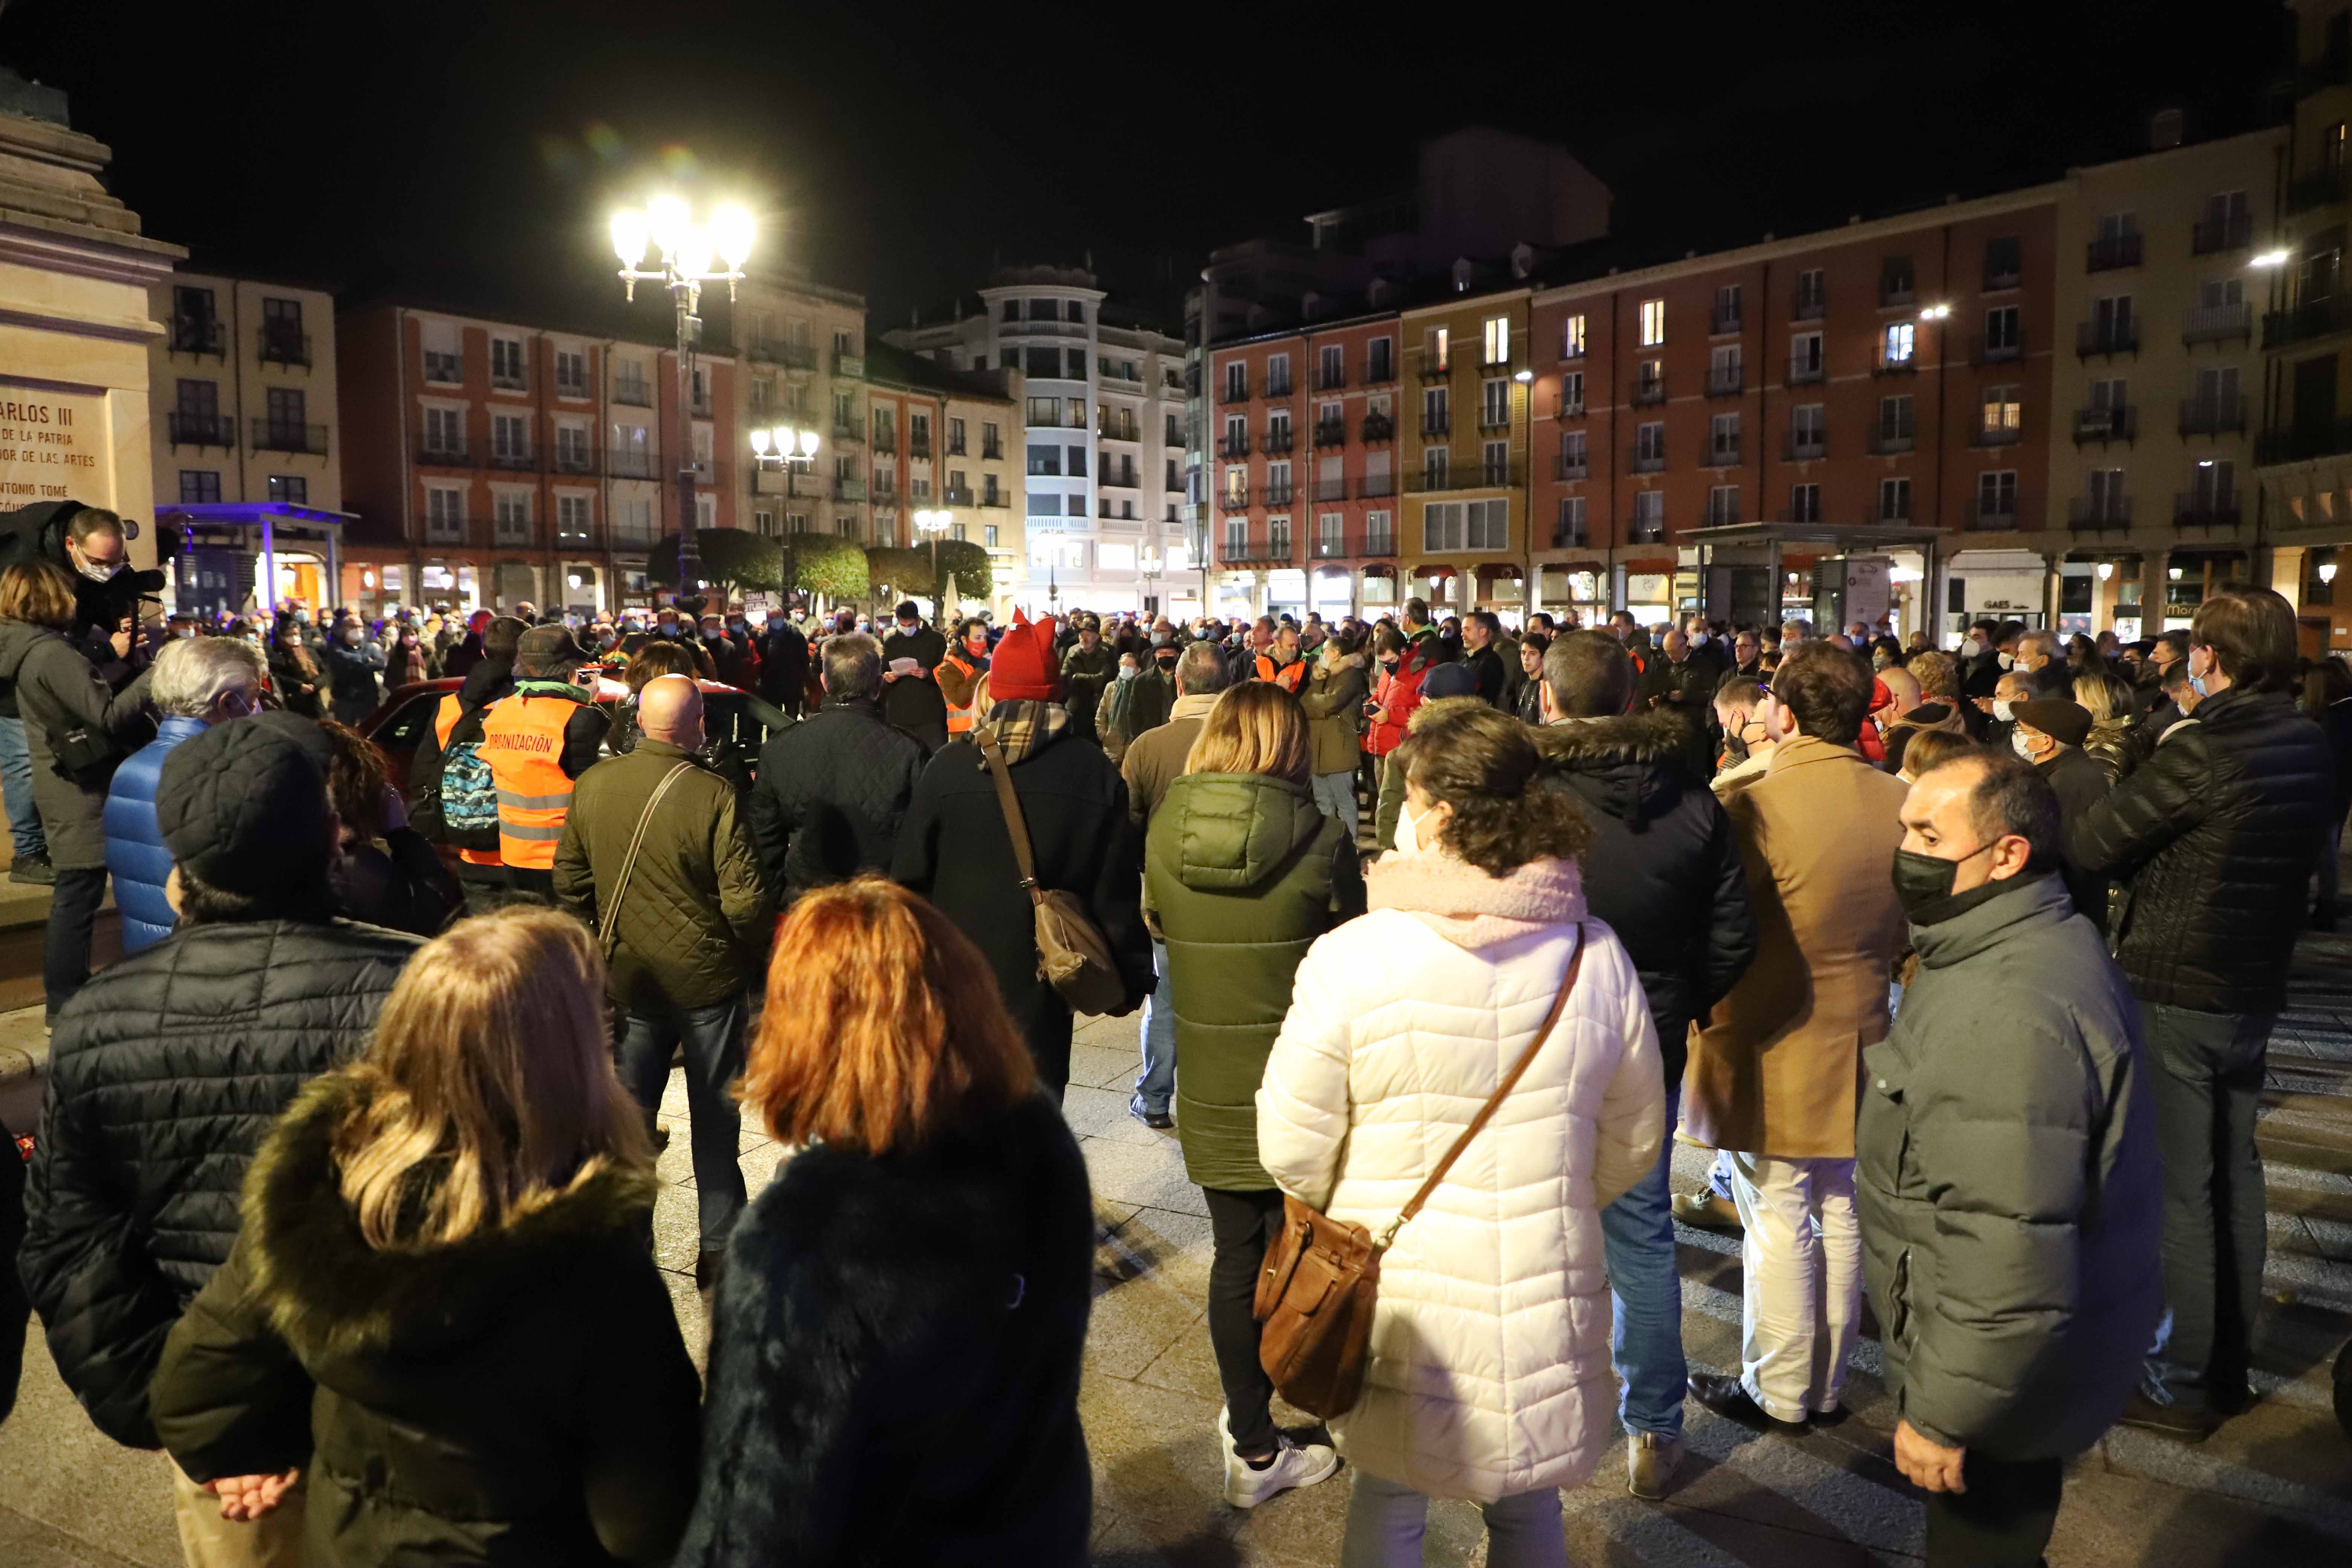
(670, 708)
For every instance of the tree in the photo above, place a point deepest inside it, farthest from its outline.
(908, 571)
(732, 559)
(968, 563)
(900, 572)
(824, 563)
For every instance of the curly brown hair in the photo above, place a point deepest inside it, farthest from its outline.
(355, 779)
(1937, 673)
(1484, 766)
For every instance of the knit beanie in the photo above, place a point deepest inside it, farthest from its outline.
(1023, 668)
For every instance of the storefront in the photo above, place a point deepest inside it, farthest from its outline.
(235, 557)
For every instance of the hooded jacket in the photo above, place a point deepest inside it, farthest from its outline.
(58, 691)
(2007, 1182)
(1488, 1369)
(1333, 700)
(521, 1396)
(1663, 870)
(895, 1357)
(1242, 873)
(135, 852)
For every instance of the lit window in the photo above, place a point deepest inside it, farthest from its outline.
(1497, 341)
(1571, 337)
(1653, 322)
(1902, 338)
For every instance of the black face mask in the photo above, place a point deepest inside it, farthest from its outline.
(1166, 661)
(1923, 883)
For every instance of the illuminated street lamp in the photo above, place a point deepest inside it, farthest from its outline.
(1148, 570)
(691, 253)
(934, 523)
(789, 446)
(2273, 259)
(1935, 312)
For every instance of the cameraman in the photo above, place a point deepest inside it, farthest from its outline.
(78, 730)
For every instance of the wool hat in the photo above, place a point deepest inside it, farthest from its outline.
(549, 651)
(1449, 681)
(2056, 717)
(242, 806)
(1023, 668)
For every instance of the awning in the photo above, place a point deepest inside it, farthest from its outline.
(1848, 538)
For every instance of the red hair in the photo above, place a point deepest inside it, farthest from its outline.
(883, 1025)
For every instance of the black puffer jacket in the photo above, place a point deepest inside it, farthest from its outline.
(1665, 870)
(165, 1072)
(894, 1358)
(832, 792)
(2214, 836)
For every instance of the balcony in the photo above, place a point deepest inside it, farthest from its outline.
(446, 530)
(285, 345)
(2324, 188)
(1713, 516)
(1726, 381)
(1992, 351)
(1907, 366)
(1493, 421)
(849, 365)
(1722, 323)
(2002, 434)
(1381, 543)
(634, 394)
(1993, 517)
(1722, 454)
(2312, 319)
(1117, 430)
(2106, 425)
(2302, 442)
(994, 497)
(1569, 536)
(1898, 513)
(508, 380)
(514, 460)
(1278, 439)
(198, 335)
(1999, 277)
(2095, 514)
(1331, 490)
(1379, 372)
(275, 435)
(1331, 433)
(1233, 498)
(1330, 380)
(1280, 494)
(1282, 388)
(2222, 415)
(1640, 530)
(1376, 488)
(885, 441)
(1804, 447)
(1255, 552)
(1804, 374)
(2191, 509)
(848, 487)
(626, 463)
(1119, 479)
(1439, 370)
(1571, 407)
(1235, 394)
(1648, 462)
(1885, 443)
(848, 429)
(2217, 324)
(1470, 476)
(1379, 427)
(574, 460)
(990, 452)
(201, 429)
(1646, 392)
(2108, 338)
(2212, 237)
(1441, 426)
(1234, 446)
(2115, 251)
(443, 455)
(1895, 291)
(1808, 307)
(1567, 469)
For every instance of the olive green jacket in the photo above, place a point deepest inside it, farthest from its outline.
(1245, 872)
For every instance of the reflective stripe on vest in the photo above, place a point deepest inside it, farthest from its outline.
(522, 739)
(445, 724)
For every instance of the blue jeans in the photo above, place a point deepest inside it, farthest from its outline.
(1645, 1298)
(1386, 1520)
(1158, 1082)
(713, 1039)
(2207, 1083)
(16, 787)
(1335, 795)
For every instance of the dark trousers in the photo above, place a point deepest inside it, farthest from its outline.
(713, 1039)
(2207, 1084)
(65, 951)
(1243, 1224)
(2002, 1520)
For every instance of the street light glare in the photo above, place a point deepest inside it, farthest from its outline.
(2271, 258)
(666, 219)
(808, 443)
(693, 251)
(629, 237)
(760, 441)
(731, 229)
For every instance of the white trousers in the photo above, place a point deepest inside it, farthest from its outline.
(1802, 1263)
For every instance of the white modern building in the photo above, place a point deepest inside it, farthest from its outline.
(1104, 417)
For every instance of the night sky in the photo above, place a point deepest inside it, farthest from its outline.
(471, 156)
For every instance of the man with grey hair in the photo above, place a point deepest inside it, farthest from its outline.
(1153, 760)
(2042, 663)
(1794, 634)
(198, 682)
(835, 788)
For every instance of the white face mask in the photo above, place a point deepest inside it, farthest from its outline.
(1408, 838)
(2021, 745)
(2000, 709)
(2008, 661)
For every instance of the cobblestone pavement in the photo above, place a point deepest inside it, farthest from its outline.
(2275, 1487)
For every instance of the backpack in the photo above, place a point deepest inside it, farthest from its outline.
(468, 794)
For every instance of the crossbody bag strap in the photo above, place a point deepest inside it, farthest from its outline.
(985, 738)
(1493, 1101)
(609, 925)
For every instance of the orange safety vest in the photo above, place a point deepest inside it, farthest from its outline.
(963, 717)
(522, 739)
(1286, 676)
(445, 723)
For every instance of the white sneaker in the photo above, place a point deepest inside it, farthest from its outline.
(1296, 1464)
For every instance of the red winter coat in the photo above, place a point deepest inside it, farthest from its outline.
(1399, 693)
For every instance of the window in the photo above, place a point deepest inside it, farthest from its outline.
(1380, 532)
(1807, 431)
(1078, 469)
(445, 431)
(1649, 517)
(1569, 533)
(1571, 393)
(199, 487)
(1380, 360)
(1805, 362)
(1440, 348)
(2111, 322)
(1277, 537)
(1236, 539)
(571, 448)
(1727, 309)
(1813, 293)
(1494, 465)
(1725, 370)
(1466, 525)
(988, 535)
(1497, 340)
(1649, 446)
(1650, 385)
(1277, 430)
(506, 361)
(1653, 322)
(570, 372)
(282, 332)
(1044, 460)
(2216, 293)
(1723, 440)
(763, 522)
(1574, 454)
(1042, 412)
(2109, 500)
(1011, 312)
(289, 410)
(2004, 415)
(1044, 309)
(1898, 343)
(1571, 337)
(1236, 382)
(1997, 494)
(1804, 503)
(509, 438)
(444, 514)
(1894, 500)
(1896, 284)
(1894, 427)
(1436, 411)
(1077, 311)
(1277, 375)
(629, 382)
(2000, 339)
(571, 518)
(1436, 468)
(1042, 361)
(1493, 403)
(1722, 505)
(1075, 359)
(706, 512)
(2002, 265)
(2212, 486)
(511, 513)
(955, 437)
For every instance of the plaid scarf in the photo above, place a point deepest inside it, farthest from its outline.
(1024, 726)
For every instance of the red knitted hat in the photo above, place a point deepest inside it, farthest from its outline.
(1022, 668)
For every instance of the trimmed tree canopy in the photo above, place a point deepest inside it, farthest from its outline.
(731, 558)
(824, 563)
(968, 563)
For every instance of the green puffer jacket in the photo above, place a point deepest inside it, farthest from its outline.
(1245, 873)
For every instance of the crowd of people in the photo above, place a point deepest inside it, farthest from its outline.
(1962, 964)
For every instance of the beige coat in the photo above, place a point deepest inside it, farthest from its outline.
(1776, 1070)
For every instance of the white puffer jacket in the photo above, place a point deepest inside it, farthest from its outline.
(1489, 1372)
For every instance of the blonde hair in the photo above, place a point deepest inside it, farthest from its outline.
(1255, 728)
(487, 1087)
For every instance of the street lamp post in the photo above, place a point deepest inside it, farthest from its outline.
(689, 250)
(934, 523)
(1149, 572)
